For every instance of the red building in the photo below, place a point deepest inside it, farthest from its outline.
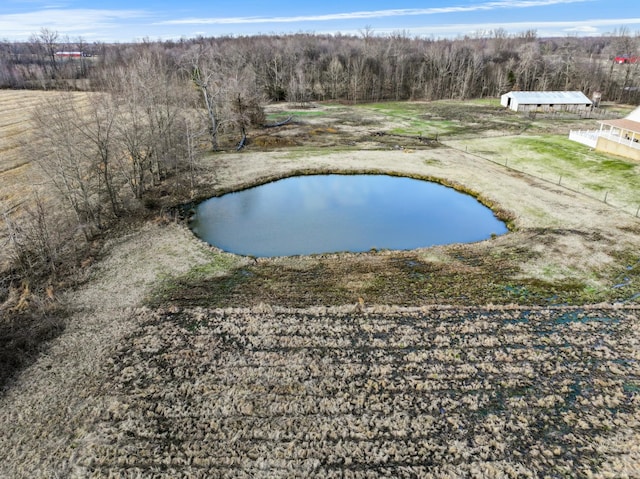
(70, 54)
(626, 59)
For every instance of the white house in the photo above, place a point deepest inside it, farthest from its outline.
(619, 137)
(545, 101)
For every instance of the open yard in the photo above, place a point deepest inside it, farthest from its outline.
(513, 357)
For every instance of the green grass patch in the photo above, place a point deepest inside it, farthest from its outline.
(449, 117)
(394, 108)
(592, 170)
(618, 165)
(556, 158)
(413, 119)
(173, 288)
(462, 275)
(426, 128)
(283, 115)
(556, 151)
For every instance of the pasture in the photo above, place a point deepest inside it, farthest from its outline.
(512, 357)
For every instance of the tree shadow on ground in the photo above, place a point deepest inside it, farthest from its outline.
(24, 336)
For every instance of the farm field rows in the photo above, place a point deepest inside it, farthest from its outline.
(513, 357)
(16, 108)
(15, 127)
(16, 172)
(329, 392)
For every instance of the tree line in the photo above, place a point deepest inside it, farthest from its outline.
(152, 107)
(155, 106)
(363, 68)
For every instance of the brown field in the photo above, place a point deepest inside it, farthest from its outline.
(18, 177)
(15, 127)
(512, 357)
(16, 107)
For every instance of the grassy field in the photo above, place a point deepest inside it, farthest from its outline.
(512, 357)
(557, 159)
(484, 117)
(552, 190)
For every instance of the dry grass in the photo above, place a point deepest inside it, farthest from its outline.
(16, 107)
(563, 240)
(373, 393)
(446, 386)
(18, 177)
(43, 411)
(355, 391)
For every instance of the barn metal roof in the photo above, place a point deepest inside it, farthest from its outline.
(550, 97)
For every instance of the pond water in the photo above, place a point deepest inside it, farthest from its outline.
(335, 213)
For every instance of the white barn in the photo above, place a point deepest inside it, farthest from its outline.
(546, 101)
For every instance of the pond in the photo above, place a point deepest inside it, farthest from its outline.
(336, 213)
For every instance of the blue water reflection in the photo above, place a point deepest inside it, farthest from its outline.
(331, 213)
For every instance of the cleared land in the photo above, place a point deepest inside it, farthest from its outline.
(382, 364)
(16, 107)
(18, 177)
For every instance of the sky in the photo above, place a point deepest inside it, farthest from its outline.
(136, 20)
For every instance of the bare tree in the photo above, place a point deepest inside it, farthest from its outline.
(276, 83)
(203, 65)
(60, 153)
(299, 90)
(335, 75)
(133, 133)
(45, 44)
(364, 67)
(36, 241)
(98, 126)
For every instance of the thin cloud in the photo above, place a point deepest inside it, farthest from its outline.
(501, 4)
(583, 30)
(72, 21)
(585, 27)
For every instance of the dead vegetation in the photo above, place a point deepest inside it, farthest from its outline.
(272, 141)
(354, 390)
(513, 357)
(452, 275)
(369, 392)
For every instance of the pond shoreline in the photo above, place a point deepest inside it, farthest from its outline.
(327, 213)
(185, 210)
(169, 335)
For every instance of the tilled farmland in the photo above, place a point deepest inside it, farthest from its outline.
(309, 387)
(380, 392)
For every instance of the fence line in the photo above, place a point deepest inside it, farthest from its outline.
(561, 181)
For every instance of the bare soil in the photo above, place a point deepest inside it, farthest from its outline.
(512, 357)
